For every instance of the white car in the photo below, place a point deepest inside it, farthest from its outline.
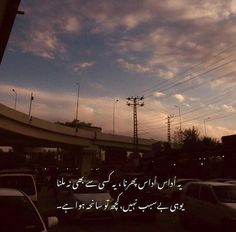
(81, 203)
(18, 213)
(210, 203)
(172, 194)
(20, 181)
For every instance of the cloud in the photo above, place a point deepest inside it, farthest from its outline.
(44, 27)
(82, 66)
(228, 108)
(134, 68)
(72, 25)
(158, 94)
(60, 106)
(213, 107)
(44, 44)
(194, 99)
(96, 86)
(179, 97)
(166, 74)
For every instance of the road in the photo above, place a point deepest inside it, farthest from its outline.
(165, 221)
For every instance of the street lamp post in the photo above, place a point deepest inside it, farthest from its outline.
(13, 90)
(31, 99)
(180, 121)
(205, 125)
(77, 108)
(114, 115)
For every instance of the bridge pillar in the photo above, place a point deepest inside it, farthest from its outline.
(88, 159)
(117, 158)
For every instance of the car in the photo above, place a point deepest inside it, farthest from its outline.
(221, 179)
(143, 195)
(21, 181)
(231, 182)
(209, 203)
(18, 213)
(87, 197)
(172, 194)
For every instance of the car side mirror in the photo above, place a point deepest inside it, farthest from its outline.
(52, 221)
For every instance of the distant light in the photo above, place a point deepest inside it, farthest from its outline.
(223, 156)
(174, 164)
(204, 158)
(199, 158)
(202, 164)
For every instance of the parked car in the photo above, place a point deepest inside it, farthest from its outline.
(172, 194)
(75, 198)
(20, 181)
(143, 196)
(231, 182)
(221, 179)
(18, 213)
(209, 203)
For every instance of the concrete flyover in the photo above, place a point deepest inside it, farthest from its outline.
(17, 129)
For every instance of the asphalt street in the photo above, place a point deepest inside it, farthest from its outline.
(165, 221)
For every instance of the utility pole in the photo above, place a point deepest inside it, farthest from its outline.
(135, 102)
(168, 128)
(205, 125)
(77, 109)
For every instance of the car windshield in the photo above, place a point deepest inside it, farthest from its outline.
(23, 183)
(226, 194)
(18, 214)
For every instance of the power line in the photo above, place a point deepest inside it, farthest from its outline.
(189, 69)
(194, 77)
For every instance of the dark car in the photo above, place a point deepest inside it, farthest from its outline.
(131, 197)
(18, 213)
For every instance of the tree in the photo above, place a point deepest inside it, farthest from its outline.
(190, 139)
(75, 123)
(208, 143)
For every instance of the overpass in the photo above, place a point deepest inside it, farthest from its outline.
(20, 131)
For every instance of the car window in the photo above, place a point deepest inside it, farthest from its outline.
(193, 190)
(207, 195)
(23, 183)
(226, 194)
(18, 214)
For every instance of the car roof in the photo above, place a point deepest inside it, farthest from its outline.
(17, 170)
(10, 192)
(15, 174)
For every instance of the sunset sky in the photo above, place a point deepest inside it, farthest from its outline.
(178, 54)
